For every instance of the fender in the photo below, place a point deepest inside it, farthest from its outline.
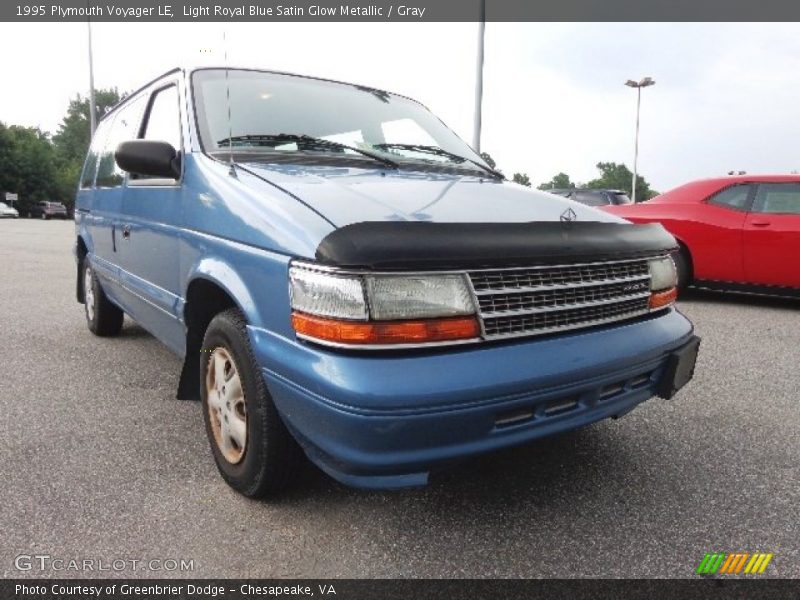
(219, 273)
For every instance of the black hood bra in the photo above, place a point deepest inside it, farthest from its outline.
(396, 245)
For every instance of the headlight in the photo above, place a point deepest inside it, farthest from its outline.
(348, 310)
(319, 293)
(662, 274)
(663, 282)
(418, 297)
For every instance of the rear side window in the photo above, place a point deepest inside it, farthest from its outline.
(163, 119)
(90, 166)
(124, 127)
(735, 196)
(778, 198)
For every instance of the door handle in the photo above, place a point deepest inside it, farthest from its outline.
(126, 232)
(759, 223)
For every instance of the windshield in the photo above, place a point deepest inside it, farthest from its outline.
(3, 205)
(266, 106)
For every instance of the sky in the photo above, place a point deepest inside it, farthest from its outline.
(727, 96)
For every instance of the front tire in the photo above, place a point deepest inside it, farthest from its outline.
(253, 450)
(683, 266)
(102, 317)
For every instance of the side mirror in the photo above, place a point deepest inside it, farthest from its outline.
(149, 158)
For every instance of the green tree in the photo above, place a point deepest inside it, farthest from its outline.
(27, 165)
(71, 142)
(560, 181)
(618, 177)
(522, 179)
(39, 168)
(489, 160)
(72, 138)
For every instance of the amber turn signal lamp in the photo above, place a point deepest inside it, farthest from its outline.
(663, 298)
(385, 332)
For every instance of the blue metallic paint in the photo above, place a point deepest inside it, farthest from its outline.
(347, 195)
(404, 414)
(371, 420)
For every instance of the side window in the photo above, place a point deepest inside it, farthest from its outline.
(90, 165)
(124, 127)
(619, 198)
(778, 198)
(734, 197)
(164, 119)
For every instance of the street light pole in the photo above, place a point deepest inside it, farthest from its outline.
(646, 82)
(636, 144)
(92, 109)
(476, 132)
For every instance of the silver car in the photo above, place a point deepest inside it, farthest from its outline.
(8, 212)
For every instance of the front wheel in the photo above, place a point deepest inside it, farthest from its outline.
(254, 451)
(102, 317)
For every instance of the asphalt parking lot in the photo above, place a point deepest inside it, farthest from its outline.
(100, 461)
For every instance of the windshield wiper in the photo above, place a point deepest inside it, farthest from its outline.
(307, 140)
(440, 152)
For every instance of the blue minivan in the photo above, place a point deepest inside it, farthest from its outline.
(347, 280)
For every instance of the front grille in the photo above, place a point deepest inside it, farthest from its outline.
(538, 300)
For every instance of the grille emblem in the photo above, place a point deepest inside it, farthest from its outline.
(568, 216)
(635, 287)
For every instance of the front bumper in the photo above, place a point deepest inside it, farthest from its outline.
(386, 420)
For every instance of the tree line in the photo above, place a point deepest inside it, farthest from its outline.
(613, 176)
(39, 166)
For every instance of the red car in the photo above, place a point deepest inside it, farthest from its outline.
(740, 233)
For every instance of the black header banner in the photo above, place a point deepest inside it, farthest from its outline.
(393, 11)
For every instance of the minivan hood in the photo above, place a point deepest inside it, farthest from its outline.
(345, 195)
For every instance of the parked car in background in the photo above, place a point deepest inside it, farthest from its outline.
(591, 197)
(49, 210)
(737, 233)
(8, 212)
(346, 278)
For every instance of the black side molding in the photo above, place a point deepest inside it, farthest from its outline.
(755, 289)
(392, 245)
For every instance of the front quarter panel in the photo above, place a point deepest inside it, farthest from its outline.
(256, 280)
(232, 204)
(240, 233)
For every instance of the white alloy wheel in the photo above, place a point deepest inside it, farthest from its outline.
(226, 406)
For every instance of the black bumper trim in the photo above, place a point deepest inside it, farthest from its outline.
(679, 369)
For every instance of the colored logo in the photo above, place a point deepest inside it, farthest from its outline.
(742, 563)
